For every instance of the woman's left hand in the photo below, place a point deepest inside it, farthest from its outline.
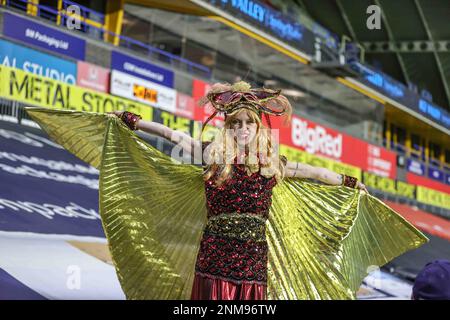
(362, 187)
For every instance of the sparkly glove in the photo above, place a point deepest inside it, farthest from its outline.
(349, 181)
(130, 119)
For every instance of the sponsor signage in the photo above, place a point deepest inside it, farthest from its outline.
(92, 77)
(269, 20)
(36, 62)
(380, 183)
(379, 160)
(433, 197)
(141, 69)
(173, 121)
(330, 39)
(296, 155)
(436, 174)
(185, 106)
(434, 112)
(134, 88)
(406, 190)
(416, 167)
(320, 140)
(199, 90)
(389, 185)
(427, 182)
(400, 93)
(35, 90)
(39, 35)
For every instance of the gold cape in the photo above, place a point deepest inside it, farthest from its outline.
(323, 240)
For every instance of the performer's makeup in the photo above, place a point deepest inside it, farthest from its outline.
(245, 126)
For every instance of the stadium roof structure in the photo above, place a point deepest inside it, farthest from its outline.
(414, 62)
(412, 45)
(337, 100)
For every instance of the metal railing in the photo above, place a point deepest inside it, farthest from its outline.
(86, 13)
(417, 155)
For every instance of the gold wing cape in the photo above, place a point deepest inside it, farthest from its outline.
(323, 240)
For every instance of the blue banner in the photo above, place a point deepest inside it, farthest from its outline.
(397, 91)
(141, 69)
(33, 61)
(415, 167)
(434, 112)
(447, 178)
(37, 34)
(45, 189)
(436, 174)
(271, 21)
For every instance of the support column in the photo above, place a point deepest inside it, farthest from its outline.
(442, 157)
(388, 134)
(408, 143)
(113, 20)
(32, 7)
(60, 6)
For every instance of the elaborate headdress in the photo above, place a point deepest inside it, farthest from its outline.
(228, 98)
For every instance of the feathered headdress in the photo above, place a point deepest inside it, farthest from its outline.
(228, 98)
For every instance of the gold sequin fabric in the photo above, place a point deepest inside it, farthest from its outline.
(243, 226)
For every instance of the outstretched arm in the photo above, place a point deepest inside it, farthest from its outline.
(186, 142)
(302, 170)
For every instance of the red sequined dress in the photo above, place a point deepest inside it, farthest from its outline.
(232, 259)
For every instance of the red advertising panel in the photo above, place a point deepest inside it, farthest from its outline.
(199, 90)
(426, 182)
(92, 77)
(381, 161)
(317, 139)
(185, 106)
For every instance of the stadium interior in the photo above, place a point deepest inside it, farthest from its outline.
(371, 103)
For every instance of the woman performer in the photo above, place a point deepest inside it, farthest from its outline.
(268, 233)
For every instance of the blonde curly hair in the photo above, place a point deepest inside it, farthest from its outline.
(263, 156)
